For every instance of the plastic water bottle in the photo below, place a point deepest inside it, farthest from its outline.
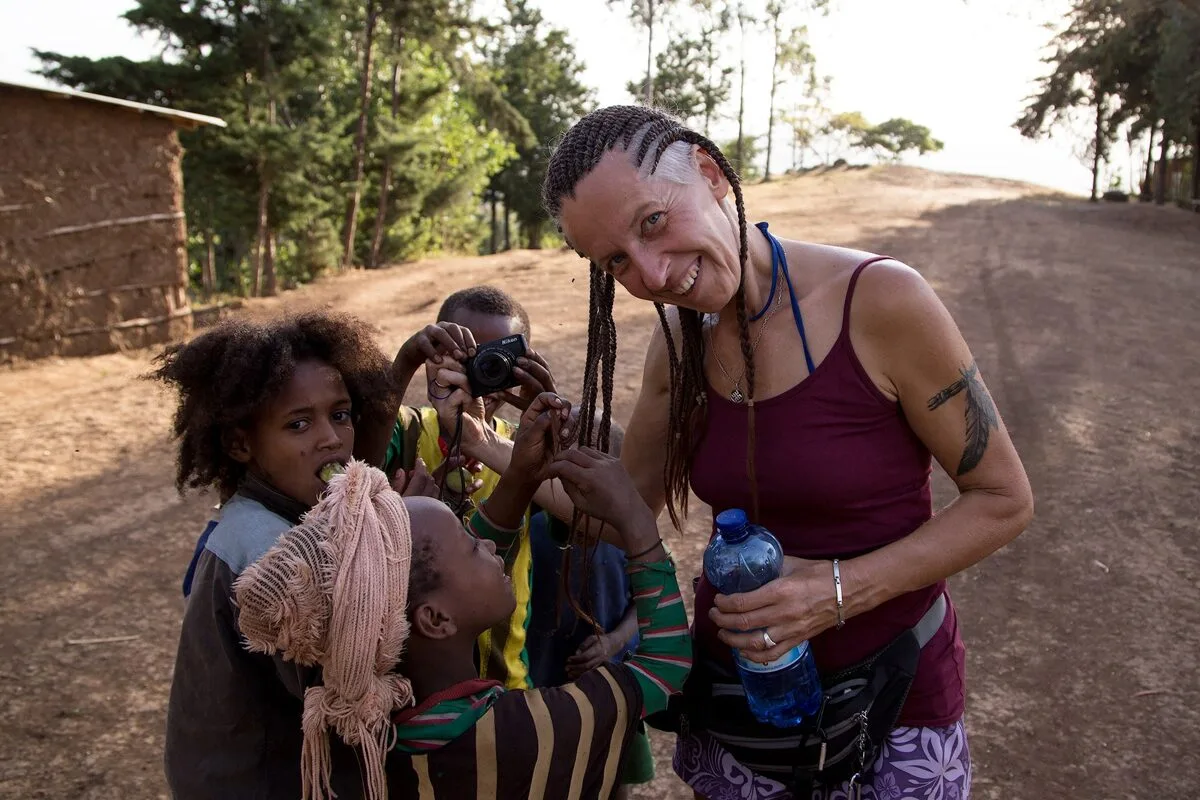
(741, 558)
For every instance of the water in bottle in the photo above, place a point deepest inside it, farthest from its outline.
(742, 557)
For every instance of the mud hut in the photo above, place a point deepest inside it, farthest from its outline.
(92, 234)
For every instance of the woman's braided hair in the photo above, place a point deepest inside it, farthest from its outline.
(618, 127)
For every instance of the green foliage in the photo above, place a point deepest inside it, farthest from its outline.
(751, 152)
(266, 196)
(536, 69)
(897, 136)
(1135, 64)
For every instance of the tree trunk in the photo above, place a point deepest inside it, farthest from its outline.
(507, 232)
(1098, 156)
(1196, 162)
(208, 272)
(533, 233)
(740, 148)
(649, 88)
(385, 180)
(1147, 185)
(771, 116)
(495, 230)
(360, 137)
(1160, 179)
(260, 237)
(269, 266)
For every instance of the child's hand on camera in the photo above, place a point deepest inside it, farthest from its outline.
(437, 343)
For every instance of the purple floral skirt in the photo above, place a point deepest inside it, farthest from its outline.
(913, 764)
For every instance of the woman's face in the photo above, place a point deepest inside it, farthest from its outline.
(663, 241)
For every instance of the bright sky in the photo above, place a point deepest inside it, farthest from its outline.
(960, 67)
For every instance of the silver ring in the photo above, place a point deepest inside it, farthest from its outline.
(439, 384)
(433, 396)
(768, 642)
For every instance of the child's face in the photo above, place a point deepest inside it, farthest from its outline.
(488, 328)
(474, 592)
(303, 428)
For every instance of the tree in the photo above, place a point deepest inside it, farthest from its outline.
(844, 131)
(740, 154)
(717, 85)
(371, 16)
(749, 171)
(792, 57)
(896, 137)
(646, 13)
(537, 70)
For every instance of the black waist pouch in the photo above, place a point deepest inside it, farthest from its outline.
(860, 707)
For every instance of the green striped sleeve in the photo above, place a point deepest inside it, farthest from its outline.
(506, 539)
(664, 654)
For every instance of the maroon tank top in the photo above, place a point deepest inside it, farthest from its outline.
(840, 473)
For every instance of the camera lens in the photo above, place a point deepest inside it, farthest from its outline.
(493, 368)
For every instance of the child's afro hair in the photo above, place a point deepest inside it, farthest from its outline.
(224, 376)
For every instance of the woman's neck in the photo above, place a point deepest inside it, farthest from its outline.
(757, 278)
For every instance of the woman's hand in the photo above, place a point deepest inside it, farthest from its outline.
(793, 608)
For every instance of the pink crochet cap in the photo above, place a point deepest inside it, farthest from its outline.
(333, 592)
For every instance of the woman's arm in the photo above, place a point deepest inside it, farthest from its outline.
(907, 340)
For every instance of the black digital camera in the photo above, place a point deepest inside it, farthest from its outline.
(490, 370)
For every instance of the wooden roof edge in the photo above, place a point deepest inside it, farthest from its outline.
(185, 119)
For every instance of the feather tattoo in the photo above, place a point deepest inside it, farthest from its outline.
(980, 415)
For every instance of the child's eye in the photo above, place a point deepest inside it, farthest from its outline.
(298, 425)
(341, 416)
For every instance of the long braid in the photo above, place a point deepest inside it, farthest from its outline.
(579, 152)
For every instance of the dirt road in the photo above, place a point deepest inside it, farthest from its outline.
(1082, 636)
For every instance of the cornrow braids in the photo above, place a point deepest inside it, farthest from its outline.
(577, 154)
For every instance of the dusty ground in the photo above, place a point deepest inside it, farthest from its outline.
(1082, 636)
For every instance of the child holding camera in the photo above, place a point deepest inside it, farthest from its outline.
(489, 331)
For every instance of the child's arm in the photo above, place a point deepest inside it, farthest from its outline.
(600, 487)
(502, 516)
(373, 438)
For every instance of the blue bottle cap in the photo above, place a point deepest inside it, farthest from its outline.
(731, 520)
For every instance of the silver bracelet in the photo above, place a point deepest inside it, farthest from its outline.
(837, 591)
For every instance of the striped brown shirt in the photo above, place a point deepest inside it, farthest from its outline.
(562, 743)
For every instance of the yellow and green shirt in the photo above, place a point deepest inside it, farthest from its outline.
(502, 649)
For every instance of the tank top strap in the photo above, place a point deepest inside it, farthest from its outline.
(850, 289)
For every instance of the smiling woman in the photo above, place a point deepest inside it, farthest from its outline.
(824, 429)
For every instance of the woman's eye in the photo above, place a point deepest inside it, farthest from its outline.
(652, 220)
(615, 263)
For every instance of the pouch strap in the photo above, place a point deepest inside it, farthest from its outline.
(931, 623)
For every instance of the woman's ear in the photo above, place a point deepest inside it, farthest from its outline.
(711, 172)
(432, 622)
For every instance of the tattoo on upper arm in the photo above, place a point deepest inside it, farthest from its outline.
(980, 414)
